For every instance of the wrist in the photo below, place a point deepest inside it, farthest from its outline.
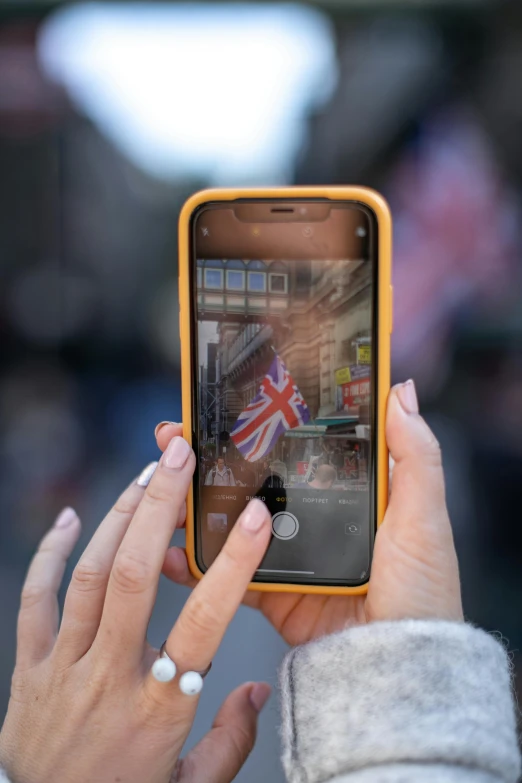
(415, 691)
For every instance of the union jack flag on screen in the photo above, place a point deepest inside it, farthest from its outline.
(277, 407)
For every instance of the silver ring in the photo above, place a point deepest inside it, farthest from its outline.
(164, 654)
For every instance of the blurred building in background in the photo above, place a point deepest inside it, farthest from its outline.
(111, 114)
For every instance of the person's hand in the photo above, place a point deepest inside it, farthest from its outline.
(414, 571)
(85, 706)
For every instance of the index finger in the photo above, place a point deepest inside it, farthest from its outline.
(198, 632)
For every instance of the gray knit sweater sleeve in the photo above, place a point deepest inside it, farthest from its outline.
(400, 702)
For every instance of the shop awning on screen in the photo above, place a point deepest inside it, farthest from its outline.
(306, 431)
(320, 427)
(335, 421)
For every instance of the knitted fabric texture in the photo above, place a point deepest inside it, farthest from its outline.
(400, 702)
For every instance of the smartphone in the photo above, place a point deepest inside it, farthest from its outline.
(285, 323)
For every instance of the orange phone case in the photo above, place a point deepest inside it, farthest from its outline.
(381, 210)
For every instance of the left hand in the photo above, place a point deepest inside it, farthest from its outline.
(84, 705)
(414, 570)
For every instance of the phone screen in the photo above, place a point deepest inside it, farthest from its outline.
(285, 323)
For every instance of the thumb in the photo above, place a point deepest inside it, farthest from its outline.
(418, 479)
(415, 570)
(222, 752)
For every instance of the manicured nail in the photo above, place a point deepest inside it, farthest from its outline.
(259, 695)
(254, 516)
(163, 424)
(65, 517)
(408, 397)
(146, 474)
(177, 453)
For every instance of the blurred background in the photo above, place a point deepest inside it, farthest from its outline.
(112, 114)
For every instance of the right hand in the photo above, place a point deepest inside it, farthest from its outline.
(414, 571)
(84, 705)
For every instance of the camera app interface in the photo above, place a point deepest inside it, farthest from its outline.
(285, 406)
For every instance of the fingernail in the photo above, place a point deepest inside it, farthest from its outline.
(146, 474)
(178, 563)
(177, 453)
(163, 424)
(408, 397)
(65, 517)
(254, 516)
(259, 695)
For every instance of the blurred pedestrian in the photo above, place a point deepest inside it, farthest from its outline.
(220, 475)
(325, 477)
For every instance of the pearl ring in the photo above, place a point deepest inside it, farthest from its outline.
(164, 670)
